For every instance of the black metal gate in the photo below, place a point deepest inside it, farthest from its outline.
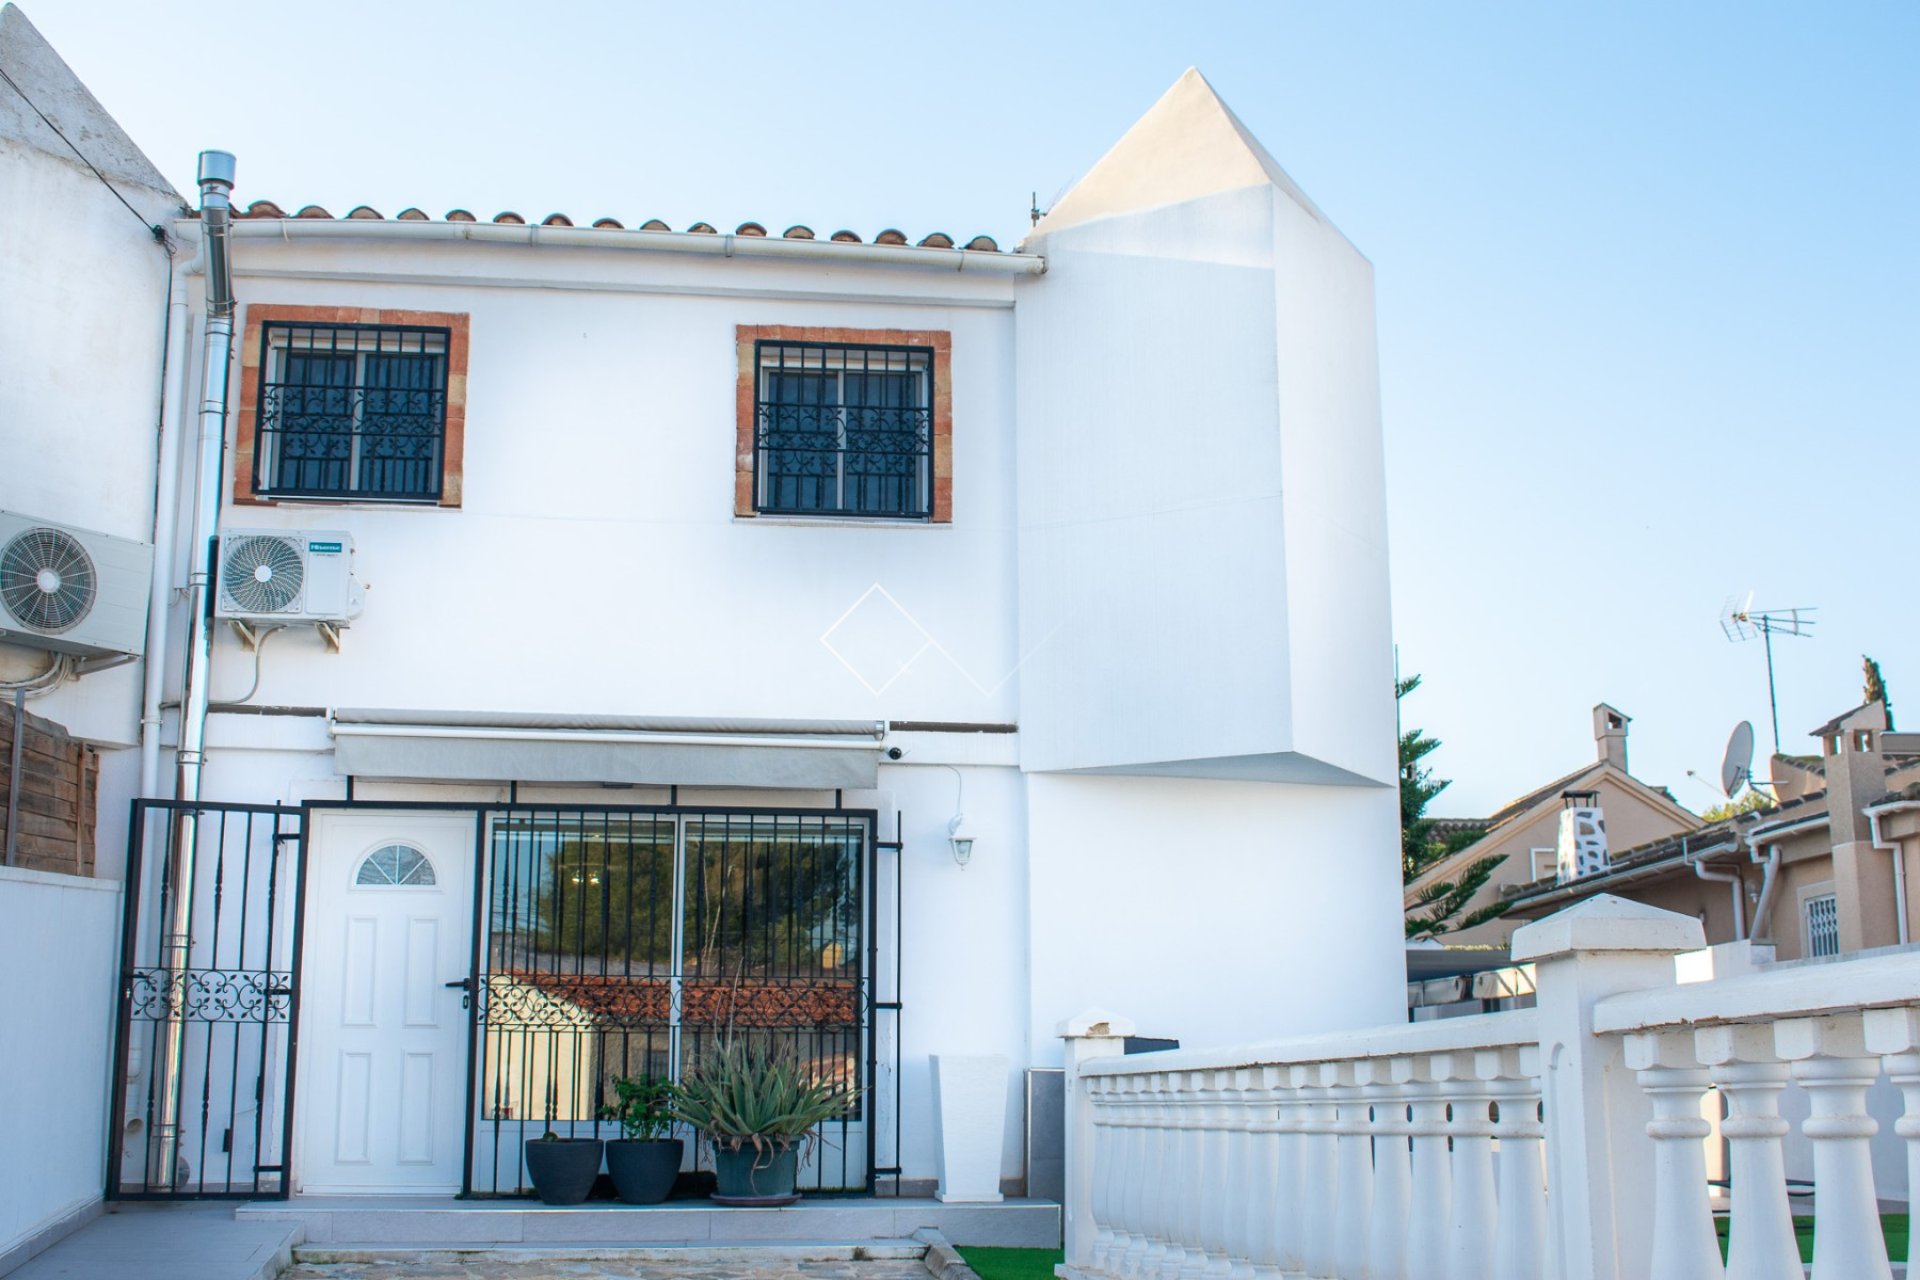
(623, 941)
(205, 1038)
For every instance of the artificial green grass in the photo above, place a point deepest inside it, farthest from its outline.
(1012, 1264)
(1895, 1226)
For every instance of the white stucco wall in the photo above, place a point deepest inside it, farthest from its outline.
(81, 331)
(1202, 496)
(596, 563)
(59, 947)
(1210, 912)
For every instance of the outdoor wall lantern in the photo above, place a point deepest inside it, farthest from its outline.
(960, 838)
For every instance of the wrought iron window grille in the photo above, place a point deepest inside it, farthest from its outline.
(351, 412)
(843, 430)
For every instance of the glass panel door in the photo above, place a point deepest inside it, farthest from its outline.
(625, 942)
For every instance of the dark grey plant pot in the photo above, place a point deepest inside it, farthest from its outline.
(643, 1169)
(755, 1179)
(563, 1169)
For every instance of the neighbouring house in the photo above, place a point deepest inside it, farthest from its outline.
(1526, 833)
(891, 644)
(1830, 870)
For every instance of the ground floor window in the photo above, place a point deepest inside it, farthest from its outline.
(1823, 925)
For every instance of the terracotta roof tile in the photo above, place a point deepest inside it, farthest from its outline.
(507, 217)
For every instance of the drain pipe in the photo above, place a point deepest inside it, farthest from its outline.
(166, 527)
(1899, 859)
(1733, 878)
(1769, 838)
(176, 942)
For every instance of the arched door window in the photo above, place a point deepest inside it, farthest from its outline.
(395, 864)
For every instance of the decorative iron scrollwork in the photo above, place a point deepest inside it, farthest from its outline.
(212, 995)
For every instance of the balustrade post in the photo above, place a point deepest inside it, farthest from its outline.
(1243, 1189)
(1353, 1157)
(1190, 1197)
(1430, 1222)
(1170, 1256)
(1156, 1199)
(1104, 1092)
(1263, 1142)
(1218, 1188)
(1896, 1033)
(1760, 1220)
(1142, 1171)
(1599, 1176)
(1830, 1062)
(1290, 1182)
(1475, 1214)
(1089, 1036)
(1684, 1246)
(1321, 1159)
(1519, 1250)
(1392, 1196)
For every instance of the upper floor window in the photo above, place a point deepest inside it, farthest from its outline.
(351, 411)
(843, 429)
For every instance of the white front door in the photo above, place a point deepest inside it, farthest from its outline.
(383, 1039)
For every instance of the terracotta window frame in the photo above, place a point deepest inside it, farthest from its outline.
(746, 395)
(247, 427)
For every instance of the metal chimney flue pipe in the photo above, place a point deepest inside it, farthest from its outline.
(216, 209)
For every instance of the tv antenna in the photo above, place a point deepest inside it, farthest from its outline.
(1743, 622)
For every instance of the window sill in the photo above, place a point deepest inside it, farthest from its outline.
(349, 504)
(840, 522)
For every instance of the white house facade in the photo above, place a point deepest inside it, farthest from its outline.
(622, 636)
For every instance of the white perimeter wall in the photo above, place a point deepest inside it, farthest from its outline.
(59, 941)
(1213, 912)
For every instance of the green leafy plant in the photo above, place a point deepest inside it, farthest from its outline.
(749, 1093)
(644, 1108)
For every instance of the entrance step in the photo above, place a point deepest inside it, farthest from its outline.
(681, 1254)
(375, 1222)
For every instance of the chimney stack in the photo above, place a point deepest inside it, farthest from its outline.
(1610, 735)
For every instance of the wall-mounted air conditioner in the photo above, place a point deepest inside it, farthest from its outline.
(287, 576)
(71, 590)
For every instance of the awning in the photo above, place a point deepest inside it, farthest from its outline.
(507, 746)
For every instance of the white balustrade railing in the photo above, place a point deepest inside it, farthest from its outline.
(1566, 1142)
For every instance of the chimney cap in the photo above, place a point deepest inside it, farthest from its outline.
(217, 166)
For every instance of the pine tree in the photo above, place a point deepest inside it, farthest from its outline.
(1439, 906)
(1876, 687)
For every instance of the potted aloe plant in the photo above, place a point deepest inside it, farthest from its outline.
(643, 1160)
(563, 1169)
(759, 1108)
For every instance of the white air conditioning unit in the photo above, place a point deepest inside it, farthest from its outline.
(287, 576)
(71, 590)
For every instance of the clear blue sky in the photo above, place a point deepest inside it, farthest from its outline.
(1649, 290)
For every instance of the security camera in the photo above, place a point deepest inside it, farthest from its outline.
(895, 753)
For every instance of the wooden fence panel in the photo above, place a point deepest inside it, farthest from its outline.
(59, 787)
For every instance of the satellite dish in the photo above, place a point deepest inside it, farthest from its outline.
(1736, 770)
